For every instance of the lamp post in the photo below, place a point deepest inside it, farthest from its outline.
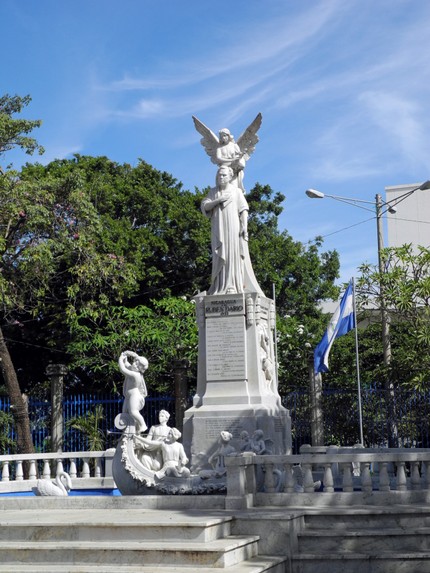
(379, 208)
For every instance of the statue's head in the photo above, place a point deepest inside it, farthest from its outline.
(224, 175)
(175, 434)
(163, 415)
(141, 363)
(226, 436)
(225, 136)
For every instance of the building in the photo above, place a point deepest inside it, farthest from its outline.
(411, 222)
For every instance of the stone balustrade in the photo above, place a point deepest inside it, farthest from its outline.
(87, 469)
(351, 477)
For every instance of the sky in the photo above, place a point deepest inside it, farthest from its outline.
(343, 87)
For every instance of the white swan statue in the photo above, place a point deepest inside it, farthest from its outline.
(56, 488)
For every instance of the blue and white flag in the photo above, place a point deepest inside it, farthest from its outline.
(342, 321)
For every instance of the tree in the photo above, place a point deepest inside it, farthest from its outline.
(406, 291)
(127, 243)
(13, 133)
(163, 332)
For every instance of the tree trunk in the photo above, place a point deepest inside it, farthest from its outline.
(18, 405)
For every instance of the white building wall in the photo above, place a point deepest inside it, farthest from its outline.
(411, 222)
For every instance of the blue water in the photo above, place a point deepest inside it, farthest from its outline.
(76, 492)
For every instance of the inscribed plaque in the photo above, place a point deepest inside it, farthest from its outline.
(225, 348)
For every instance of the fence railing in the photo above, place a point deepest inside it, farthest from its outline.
(79, 405)
(87, 469)
(340, 417)
(363, 478)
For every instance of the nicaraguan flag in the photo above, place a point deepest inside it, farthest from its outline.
(341, 322)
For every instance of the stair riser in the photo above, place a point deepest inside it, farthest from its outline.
(115, 533)
(357, 521)
(129, 557)
(372, 545)
(324, 565)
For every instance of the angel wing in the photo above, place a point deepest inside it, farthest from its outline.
(209, 140)
(248, 140)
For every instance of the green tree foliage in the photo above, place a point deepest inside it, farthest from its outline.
(406, 294)
(13, 134)
(163, 332)
(89, 425)
(129, 242)
(14, 131)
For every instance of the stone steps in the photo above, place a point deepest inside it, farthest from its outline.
(373, 518)
(259, 564)
(365, 541)
(224, 552)
(126, 541)
(378, 540)
(363, 563)
(132, 525)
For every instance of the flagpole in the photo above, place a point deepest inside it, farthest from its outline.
(360, 414)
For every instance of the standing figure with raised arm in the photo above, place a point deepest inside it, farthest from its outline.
(134, 390)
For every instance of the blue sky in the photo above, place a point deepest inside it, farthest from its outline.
(343, 87)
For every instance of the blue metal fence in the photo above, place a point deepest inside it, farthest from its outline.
(80, 405)
(340, 414)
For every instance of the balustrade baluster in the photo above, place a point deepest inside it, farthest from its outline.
(98, 469)
(347, 484)
(32, 473)
(85, 468)
(19, 474)
(290, 481)
(328, 479)
(269, 478)
(60, 467)
(415, 475)
(5, 472)
(46, 469)
(384, 478)
(72, 471)
(425, 474)
(308, 478)
(366, 478)
(401, 477)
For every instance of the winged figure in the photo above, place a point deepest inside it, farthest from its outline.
(224, 150)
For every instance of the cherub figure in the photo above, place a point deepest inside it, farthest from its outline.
(217, 459)
(152, 459)
(173, 457)
(224, 150)
(134, 389)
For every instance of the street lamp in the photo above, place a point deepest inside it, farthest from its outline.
(379, 208)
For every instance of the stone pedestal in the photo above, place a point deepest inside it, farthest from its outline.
(237, 384)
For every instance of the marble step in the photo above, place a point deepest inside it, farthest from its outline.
(365, 541)
(362, 563)
(370, 518)
(104, 526)
(258, 564)
(218, 553)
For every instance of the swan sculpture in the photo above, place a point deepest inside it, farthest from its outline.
(56, 488)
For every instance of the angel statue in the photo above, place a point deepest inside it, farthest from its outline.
(224, 150)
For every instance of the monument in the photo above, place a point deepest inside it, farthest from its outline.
(237, 381)
(237, 409)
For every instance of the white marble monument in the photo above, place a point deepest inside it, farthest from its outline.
(237, 385)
